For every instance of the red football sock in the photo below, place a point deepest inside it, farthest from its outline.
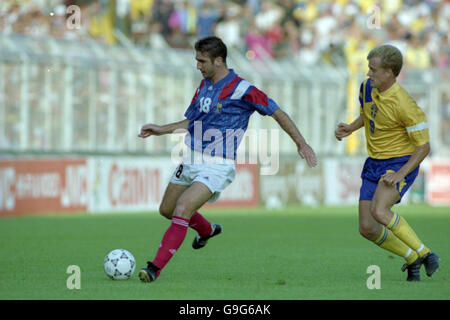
(200, 224)
(171, 241)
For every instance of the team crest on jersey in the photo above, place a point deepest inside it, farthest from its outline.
(373, 110)
(218, 108)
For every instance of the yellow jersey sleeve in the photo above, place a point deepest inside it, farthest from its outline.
(414, 120)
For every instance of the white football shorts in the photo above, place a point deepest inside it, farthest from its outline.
(216, 176)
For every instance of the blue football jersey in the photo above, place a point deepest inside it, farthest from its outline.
(219, 114)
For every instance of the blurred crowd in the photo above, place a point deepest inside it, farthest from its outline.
(331, 31)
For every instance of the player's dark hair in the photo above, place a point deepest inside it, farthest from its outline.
(390, 58)
(213, 46)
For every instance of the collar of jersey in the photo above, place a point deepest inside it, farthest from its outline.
(221, 82)
(389, 91)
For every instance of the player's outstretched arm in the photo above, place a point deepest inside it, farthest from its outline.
(344, 130)
(151, 129)
(304, 150)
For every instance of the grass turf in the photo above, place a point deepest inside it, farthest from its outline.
(291, 254)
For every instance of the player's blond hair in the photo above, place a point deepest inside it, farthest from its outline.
(390, 57)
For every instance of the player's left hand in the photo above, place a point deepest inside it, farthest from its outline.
(306, 152)
(392, 178)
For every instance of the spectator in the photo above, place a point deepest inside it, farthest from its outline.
(308, 55)
(275, 35)
(245, 18)
(417, 57)
(184, 17)
(207, 18)
(269, 15)
(156, 39)
(101, 24)
(324, 24)
(162, 10)
(177, 39)
(228, 29)
(292, 37)
(259, 47)
(443, 58)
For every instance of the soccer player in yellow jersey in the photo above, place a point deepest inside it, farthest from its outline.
(397, 137)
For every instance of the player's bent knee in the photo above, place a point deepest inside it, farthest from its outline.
(165, 212)
(183, 211)
(379, 214)
(378, 211)
(368, 232)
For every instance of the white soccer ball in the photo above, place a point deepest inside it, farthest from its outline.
(119, 264)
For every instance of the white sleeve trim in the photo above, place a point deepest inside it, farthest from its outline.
(417, 127)
(240, 89)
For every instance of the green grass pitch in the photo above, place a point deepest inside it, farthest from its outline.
(290, 254)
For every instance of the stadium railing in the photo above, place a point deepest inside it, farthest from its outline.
(61, 96)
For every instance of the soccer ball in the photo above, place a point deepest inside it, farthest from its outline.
(119, 264)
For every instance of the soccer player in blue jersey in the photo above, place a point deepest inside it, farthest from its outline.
(215, 122)
(397, 137)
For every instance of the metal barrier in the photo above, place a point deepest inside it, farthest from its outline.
(60, 96)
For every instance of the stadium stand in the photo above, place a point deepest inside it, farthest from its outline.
(332, 31)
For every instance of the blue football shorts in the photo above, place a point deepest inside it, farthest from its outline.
(373, 170)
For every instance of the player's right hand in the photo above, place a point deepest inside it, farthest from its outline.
(150, 130)
(306, 152)
(343, 130)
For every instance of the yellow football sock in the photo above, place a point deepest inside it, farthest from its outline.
(388, 241)
(404, 232)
